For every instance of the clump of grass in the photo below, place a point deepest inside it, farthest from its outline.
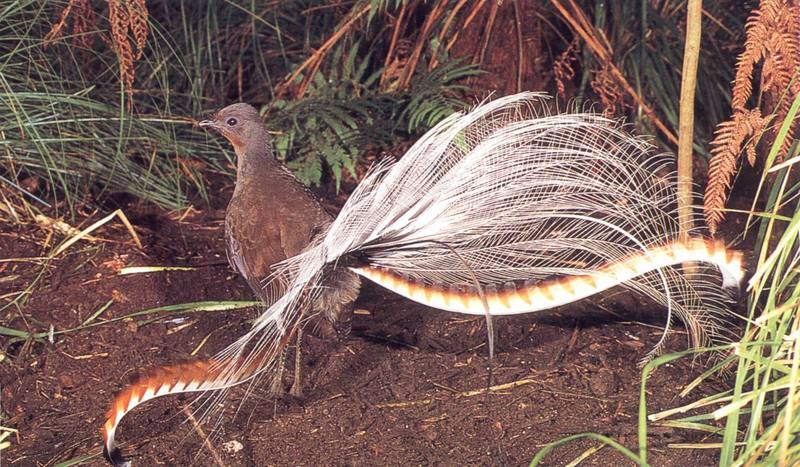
(78, 125)
(72, 135)
(761, 410)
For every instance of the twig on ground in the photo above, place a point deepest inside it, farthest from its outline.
(204, 437)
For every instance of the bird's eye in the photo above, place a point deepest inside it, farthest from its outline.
(232, 121)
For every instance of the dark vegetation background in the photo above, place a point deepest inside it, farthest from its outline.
(99, 105)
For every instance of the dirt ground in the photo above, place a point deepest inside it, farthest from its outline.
(407, 387)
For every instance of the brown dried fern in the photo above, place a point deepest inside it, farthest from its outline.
(137, 14)
(83, 23)
(607, 88)
(58, 27)
(120, 23)
(563, 70)
(128, 22)
(773, 41)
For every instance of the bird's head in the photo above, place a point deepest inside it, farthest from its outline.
(240, 124)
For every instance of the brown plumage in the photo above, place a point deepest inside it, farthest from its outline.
(272, 217)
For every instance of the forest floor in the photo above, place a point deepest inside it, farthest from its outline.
(407, 387)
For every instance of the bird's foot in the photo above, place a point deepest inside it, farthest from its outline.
(297, 388)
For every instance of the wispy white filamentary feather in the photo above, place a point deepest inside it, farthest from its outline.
(508, 195)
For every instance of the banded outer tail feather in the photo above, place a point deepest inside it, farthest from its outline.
(567, 289)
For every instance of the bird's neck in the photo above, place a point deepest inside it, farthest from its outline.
(254, 162)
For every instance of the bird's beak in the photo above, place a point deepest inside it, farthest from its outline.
(208, 124)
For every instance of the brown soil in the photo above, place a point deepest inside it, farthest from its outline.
(390, 394)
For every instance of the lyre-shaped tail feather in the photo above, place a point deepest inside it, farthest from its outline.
(563, 290)
(247, 358)
(198, 376)
(173, 379)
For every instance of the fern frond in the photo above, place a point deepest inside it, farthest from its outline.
(772, 41)
(721, 168)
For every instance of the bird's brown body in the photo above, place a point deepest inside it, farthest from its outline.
(272, 217)
(268, 219)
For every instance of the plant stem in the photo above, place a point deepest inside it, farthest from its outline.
(691, 54)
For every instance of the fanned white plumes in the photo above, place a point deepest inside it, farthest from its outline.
(510, 193)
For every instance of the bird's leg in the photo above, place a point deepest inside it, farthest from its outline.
(297, 389)
(276, 389)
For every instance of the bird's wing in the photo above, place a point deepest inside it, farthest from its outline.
(298, 230)
(253, 246)
(303, 218)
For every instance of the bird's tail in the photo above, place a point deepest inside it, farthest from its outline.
(511, 298)
(511, 196)
(505, 209)
(198, 376)
(251, 356)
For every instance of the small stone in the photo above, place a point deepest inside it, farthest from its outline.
(232, 446)
(132, 326)
(603, 383)
(429, 432)
(118, 296)
(66, 381)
